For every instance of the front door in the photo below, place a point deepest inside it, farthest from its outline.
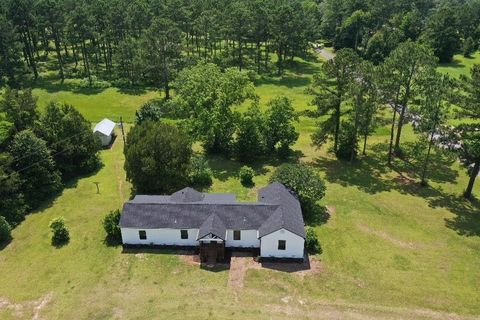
(212, 251)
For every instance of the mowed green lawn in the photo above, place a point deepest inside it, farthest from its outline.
(390, 248)
(96, 104)
(460, 65)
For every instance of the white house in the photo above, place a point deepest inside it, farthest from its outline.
(216, 222)
(105, 131)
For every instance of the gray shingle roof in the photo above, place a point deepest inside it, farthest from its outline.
(239, 216)
(187, 195)
(192, 209)
(287, 216)
(212, 225)
(207, 198)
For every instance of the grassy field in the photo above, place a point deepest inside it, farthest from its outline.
(460, 65)
(391, 250)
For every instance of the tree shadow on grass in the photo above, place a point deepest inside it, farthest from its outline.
(289, 81)
(439, 168)
(224, 168)
(298, 74)
(455, 63)
(110, 241)
(60, 244)
(68, 184)
(467, 214)
(52, 86)
(73, 181)
(372, 175)
(4, 244)
(317, 216)
(304, 67)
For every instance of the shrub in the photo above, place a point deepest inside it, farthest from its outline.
(5, 230)
(60, 231)
(305, 182)
(93, 83)
(111, 226)
(200, 173)
(150, 111)
(246, 175)
(311, 241)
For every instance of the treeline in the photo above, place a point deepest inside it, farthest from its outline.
(40, 151)
(375, 28)
(141, 41)
(351, 92)
(147, 42)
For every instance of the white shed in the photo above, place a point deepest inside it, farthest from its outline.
(105, 131)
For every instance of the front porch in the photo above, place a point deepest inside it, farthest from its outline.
(212, 251)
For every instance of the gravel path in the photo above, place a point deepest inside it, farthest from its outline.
(327, 55)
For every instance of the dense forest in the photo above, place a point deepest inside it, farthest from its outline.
(147, 42)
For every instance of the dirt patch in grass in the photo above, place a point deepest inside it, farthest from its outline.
(300, 308)
(310, 266)
(331, 210)
(240, 262)
(32, 307)
(389, 238)
(189, 257)
(404, 180)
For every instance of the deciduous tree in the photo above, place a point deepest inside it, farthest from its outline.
(304, 181)
(280, 130)
(207, 96)
(250, 136)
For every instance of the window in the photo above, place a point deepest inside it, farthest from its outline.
(142, 234)
(282, 244)
(184, 234)
(236, 234)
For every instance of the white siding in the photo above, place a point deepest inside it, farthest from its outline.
(294, 245)
(104, 139)
(160, 237)
(248, 239)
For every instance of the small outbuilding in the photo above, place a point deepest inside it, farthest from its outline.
(105, 131)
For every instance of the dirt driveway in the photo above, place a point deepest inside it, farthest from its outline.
(242, 261)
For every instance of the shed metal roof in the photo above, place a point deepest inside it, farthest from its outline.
(105, 127)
